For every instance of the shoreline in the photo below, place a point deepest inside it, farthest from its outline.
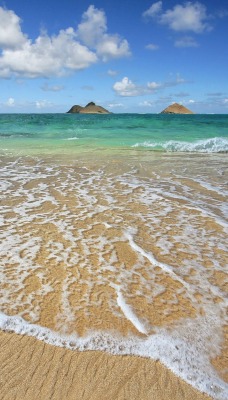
(32, 369)
(89, 254)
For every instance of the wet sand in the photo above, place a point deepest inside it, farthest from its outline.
(104, 248)
(31, 369)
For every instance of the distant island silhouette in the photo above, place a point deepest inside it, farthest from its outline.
(90, 108)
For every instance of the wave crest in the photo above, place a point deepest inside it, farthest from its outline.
(213, 145)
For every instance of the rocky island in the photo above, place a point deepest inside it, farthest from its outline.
(90, 108)
(176, 109)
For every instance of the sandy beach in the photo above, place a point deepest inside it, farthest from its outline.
(31, 369)
(98, 252)
(113, 200)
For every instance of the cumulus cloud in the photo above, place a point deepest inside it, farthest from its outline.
(70, 50)
(127, 88)
(47, 56)
(186, 41)
(187, 17)
(11, 35)
(92, 27)
(191, 16)
(93, 33)
(112, 47)
(154, 9)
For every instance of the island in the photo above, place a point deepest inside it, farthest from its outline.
(90, 108)
(176, 109)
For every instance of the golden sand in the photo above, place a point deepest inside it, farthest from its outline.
(66, 283)
(31, 369)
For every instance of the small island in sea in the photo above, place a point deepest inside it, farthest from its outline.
(176, 109)
(90, 108)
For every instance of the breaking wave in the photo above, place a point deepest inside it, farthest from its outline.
(213, 145)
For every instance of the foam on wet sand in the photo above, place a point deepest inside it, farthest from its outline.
(123, 257)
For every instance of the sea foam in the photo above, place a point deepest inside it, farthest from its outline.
(213, 145)
(174, 348)
(138, 246)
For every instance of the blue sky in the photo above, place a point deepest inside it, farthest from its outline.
(126, 55)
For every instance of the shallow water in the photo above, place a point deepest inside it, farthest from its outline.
(122, 250)
(63, 133)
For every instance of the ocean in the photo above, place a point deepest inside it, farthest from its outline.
(50, 133)
(114, 237)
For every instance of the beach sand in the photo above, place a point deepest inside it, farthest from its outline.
(75, 262)
(32, 369)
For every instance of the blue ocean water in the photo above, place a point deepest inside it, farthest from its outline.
(75, 132)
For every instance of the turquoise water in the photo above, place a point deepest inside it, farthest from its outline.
(75, 132)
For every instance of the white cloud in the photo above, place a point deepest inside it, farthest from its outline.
(70, 50)
(92, 27)
(187, 17)
(111, 46)
(182, 17)
(153, 10)
(186, 41)
(11, 35)
(127, 88)
(47, 56)
(93, 33)
(10, 102)
(152, 46)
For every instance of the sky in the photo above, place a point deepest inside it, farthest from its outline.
(126, 55)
